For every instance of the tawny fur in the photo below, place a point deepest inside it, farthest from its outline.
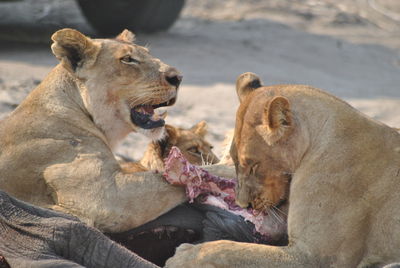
(191, 142)
(56, 147)
(226, 158)
(344, 191)
(245, 83)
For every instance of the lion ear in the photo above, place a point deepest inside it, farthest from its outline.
(277, 120)
(246, 83)
(200, 128)
(172, 134)
(126, 36)
(73, 48)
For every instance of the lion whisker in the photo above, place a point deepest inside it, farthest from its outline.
(273, 214)
(279, 210)
(142, 95)
(202, 159)
(212, 159)
(276, 215)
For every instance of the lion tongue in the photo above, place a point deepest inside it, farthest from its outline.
(146, 109)
(144, 117)
(149, 110)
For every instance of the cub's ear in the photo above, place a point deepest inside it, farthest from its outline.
(172, 135)
(126, 36)
(277, 120)
(200, 128)
(73, 48)
(246, 83)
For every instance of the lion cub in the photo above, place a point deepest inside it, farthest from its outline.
(190, 141)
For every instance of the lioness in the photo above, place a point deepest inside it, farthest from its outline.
(245, 82)
(339, 169)
(190, 141)
(56, 147)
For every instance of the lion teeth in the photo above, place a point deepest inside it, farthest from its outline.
(158, 116)
(163, 115)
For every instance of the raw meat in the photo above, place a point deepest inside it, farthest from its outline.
(207, 188)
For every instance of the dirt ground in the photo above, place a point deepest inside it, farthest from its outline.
(350, 48)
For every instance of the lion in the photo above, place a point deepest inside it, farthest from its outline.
(245, 82)
(191, 143)
(57, 145)
(335, 168)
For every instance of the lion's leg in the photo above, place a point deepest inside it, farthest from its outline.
(233, 254)
(132, 167)
(97, 191)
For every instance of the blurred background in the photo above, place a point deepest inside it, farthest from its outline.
(350, 48)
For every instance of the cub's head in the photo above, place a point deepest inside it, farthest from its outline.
(263, 135)
(191, 142)
(121, 84)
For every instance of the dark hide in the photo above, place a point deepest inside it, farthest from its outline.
(36, 237)
(188, 223)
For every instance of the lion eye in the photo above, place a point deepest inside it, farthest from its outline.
(129, 60)
(194, 149)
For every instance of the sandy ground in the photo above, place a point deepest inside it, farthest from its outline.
(350, 48)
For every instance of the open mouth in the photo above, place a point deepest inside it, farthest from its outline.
(144, 116)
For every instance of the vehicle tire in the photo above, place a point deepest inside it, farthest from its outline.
(111, 17)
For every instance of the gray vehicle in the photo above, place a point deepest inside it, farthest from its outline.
(111, 17)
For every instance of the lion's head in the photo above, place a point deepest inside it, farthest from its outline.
(121, 84)
(264, 131)
(191, 142)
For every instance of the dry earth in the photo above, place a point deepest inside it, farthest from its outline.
(350, 48)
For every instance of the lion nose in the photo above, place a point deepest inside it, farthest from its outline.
(173, 78)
